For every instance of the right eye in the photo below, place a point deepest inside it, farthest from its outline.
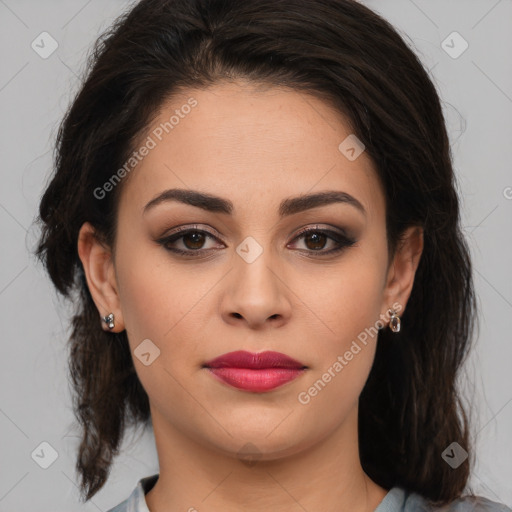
(191, 240)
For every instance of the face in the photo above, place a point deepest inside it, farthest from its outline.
(236, 271)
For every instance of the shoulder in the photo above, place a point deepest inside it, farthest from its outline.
(122, 507)
(136, 502)
(415, 502)
(474, 504)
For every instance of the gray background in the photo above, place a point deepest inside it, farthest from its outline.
(476, 90)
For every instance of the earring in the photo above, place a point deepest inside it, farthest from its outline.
(109, 320)
(394, 321)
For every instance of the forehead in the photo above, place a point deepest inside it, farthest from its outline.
(246, 142)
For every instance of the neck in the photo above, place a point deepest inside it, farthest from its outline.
(325, 476)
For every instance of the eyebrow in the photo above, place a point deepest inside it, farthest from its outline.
(287, 207)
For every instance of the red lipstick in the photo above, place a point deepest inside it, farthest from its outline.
(256, 372)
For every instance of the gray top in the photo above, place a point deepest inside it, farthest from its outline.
(396, 500)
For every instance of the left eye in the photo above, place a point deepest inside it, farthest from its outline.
(316, 239)
(193, 240)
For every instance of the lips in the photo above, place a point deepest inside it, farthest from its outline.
(256, 372)
(254, 361)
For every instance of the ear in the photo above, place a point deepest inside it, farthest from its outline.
(401, 272)
(99, 272)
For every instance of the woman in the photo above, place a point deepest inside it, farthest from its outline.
(256, 204)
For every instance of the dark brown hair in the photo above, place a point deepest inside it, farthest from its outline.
(340, 51)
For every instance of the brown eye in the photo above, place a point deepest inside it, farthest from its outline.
(315, 240)
(194, 240)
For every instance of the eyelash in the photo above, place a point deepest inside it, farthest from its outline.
(342, 241)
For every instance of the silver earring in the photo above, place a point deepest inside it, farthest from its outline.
(109, 320)
(394, 321)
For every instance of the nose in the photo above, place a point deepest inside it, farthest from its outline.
(256, 294)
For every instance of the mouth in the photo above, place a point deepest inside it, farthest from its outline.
(255, 372)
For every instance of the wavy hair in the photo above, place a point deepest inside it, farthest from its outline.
(410, 409)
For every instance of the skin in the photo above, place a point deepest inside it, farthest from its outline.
(254, 147)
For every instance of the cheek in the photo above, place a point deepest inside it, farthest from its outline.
(343, 301)
(160, 303)
(149, 300)
(346, 309)
(162, 300)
